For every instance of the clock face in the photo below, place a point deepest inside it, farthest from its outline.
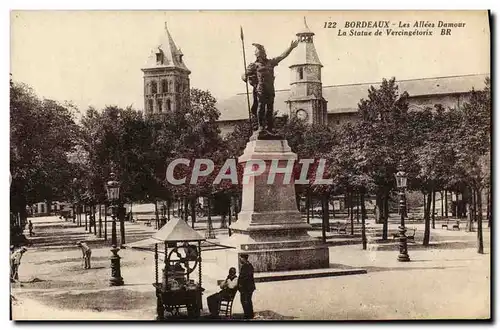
(301, 114)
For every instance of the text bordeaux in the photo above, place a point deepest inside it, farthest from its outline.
(367, 24)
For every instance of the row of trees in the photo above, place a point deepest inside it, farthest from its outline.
(54, 158)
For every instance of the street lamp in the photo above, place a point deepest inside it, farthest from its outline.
(113, 192)
(401, 179)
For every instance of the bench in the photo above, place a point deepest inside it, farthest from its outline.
(412, 237)
(339, 228)
(342, 230)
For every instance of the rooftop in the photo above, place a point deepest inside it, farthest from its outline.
(345, 98)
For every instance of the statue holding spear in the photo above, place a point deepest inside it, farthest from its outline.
(260, 74)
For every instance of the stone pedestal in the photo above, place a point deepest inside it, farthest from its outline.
(269, 227)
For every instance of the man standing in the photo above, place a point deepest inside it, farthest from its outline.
(87, 253)
(246, 286)
(229, 287)
(15, 262)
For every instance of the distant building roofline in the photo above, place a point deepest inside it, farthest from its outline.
(401, 80)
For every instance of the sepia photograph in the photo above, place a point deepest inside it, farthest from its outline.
(222, 166)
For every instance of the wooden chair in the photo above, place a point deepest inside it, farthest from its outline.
(226, 306)
(412, 237)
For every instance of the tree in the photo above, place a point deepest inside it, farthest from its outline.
(384, 143)
(42, 133)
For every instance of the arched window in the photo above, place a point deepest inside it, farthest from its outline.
(154, 87)
(301, 73)
(164, 86)
(150, 105)
(159, 57)
(169, 105)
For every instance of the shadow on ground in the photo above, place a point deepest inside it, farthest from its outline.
(266, 315)
(436, 245)
(100, 300)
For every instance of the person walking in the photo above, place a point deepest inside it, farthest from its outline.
(246, 286)
(30, 227)
(15, 262)
(86, 253)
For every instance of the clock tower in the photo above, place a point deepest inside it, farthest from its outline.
(306, 96)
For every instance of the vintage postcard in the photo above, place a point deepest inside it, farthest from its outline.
(250, 165)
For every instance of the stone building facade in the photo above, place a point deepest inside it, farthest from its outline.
(166, 78)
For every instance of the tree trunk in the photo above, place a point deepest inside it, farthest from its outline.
(230, 217)
(333, 209)
(308, 198)
(347, 203)
(93, 219)
(209, 219)
(433, 209)
(351, 198)
(311, 206)
(186, 206)
(385, 227)
(363, 220)
(100, 222)
(380, 206)
(488, 207)
(446, 203)
(193, 211)
(442, 204)
(425, 203)
(325, 220)
(427, 220)
(352, 221)
(121, 214)
(358, 197)
(169, 205)
(105, 222)
(157, 217)
(480, 245)
(237, 205)
(85, 214)
(472, 202)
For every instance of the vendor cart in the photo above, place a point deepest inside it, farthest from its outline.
(180, 288)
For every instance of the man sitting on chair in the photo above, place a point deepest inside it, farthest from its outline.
(229, 287)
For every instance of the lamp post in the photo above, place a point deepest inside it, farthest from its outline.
(401, 179)
(113, 192)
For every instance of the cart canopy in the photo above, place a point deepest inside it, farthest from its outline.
(177, 230)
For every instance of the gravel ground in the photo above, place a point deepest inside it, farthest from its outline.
(447, 280)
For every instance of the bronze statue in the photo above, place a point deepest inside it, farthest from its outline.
(260, 74)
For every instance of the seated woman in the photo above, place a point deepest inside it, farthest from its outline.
(229, 287)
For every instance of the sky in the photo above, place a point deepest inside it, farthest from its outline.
(94, 58)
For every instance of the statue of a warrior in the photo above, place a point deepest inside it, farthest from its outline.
(260, 74)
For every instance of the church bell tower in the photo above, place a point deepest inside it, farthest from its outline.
(306, 96)
(166, 78)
